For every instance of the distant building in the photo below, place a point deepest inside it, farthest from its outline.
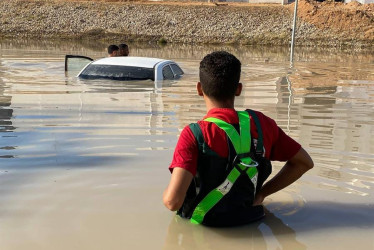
(255, 1)
(360, 1)
(287, 1)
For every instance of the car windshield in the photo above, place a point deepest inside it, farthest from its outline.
(116, 72)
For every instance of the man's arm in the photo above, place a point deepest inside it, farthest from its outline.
(291, 171)
(175, 193)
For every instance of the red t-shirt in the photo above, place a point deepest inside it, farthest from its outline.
(278, 146)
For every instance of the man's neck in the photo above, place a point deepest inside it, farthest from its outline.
(211, 104)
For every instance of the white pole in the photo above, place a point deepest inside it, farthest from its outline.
(293, 32)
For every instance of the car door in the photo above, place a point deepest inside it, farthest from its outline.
(75, 63)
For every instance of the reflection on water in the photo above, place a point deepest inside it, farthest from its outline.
(182, 235)
(5, 121)
(91, 156)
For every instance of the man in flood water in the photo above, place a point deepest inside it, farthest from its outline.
(123, 49)
(113, 50)
(220, 163)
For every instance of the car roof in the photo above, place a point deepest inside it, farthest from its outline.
(144, 62)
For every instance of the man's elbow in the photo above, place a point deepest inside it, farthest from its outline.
(307, 161)
(310, 165)
(302, 160)
(306, 166)
(172, 204)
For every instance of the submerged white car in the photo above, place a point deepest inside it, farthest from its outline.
(124, 68)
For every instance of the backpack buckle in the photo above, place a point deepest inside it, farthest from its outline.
(252, 164)
(245, 162)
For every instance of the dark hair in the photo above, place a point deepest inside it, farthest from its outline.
(112, 48)
(123, 46)
(220, 75)
(123, 49)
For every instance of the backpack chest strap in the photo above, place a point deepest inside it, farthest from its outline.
(240, 142)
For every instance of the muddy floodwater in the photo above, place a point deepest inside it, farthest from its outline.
(83, 163)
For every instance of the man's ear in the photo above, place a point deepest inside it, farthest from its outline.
(199, 89)
(239, 89)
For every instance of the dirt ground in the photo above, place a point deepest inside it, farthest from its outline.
(352, 18)
(328, 23)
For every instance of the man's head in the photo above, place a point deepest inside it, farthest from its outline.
(123, 49)
(113, 50)
(220, 75)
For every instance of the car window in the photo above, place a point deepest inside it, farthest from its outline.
(115, 72)
(76, 62)
(176, 69)
(167, 73)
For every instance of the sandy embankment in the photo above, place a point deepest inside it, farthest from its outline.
(319, 24)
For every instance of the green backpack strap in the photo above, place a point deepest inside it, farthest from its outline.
(242, 141)
(196, 130)
(198, 134)
(260, 141)
(245, 165)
